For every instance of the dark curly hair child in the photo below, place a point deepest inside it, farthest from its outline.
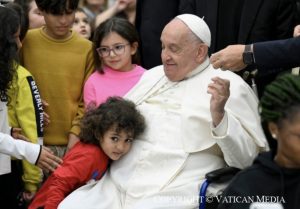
(107, 133)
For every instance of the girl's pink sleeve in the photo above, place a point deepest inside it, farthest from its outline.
(89, 94)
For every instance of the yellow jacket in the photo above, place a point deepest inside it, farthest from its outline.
(25, 111)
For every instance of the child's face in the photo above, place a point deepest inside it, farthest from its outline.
(119, 59)
(115, 144)
(58, 26)
(36, 19)
(288, 138)
(81, 25)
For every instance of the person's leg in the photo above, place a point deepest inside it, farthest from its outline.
(11, 186)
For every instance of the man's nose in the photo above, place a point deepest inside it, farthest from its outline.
(165, 55)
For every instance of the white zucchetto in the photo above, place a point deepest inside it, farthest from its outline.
(198, 26)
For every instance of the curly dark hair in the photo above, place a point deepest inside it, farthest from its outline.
(10, 22)
(57, 7)
(116, 111)
(120, 26)
(281, 99)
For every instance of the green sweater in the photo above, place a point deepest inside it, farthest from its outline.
(60, 68)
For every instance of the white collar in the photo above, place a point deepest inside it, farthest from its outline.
(198, 69)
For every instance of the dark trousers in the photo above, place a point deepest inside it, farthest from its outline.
(11, 186)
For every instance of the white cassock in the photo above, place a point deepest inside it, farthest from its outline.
(167, 164)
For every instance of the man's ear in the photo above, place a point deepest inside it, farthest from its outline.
(273, 128)
(202, 51)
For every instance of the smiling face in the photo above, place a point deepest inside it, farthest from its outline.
(116, 144)
(122, 61)
(179, 51)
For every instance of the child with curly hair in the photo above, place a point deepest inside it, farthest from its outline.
(107, 133)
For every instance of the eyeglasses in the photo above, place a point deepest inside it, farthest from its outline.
(118, 49)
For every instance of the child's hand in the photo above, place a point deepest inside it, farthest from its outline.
(46, 116)
(16, 133)
(47, 160)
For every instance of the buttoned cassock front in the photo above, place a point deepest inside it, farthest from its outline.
(167, 164)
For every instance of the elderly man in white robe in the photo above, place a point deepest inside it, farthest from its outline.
(198, 120)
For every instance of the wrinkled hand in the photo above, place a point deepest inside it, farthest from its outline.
(46, 116)
(296, 31)
(73, 139)
(219, 90)
(47, 160)
(230, 58)
(17, 134)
